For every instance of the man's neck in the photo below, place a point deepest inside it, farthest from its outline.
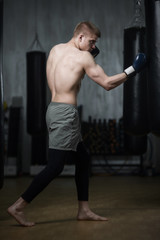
(73, 42)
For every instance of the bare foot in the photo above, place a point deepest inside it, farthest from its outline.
(16, 211)
(84, 213)
(90, 216)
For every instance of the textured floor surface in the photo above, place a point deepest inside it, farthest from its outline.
(132, 205)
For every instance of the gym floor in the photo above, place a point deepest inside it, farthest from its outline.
(132, 204)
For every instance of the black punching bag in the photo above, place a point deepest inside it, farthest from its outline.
(1, 101)
(135, 145)
(135, 89)
(152, 9)
(36, 92)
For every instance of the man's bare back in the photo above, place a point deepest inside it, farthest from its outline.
(66, 65)
(64, 73)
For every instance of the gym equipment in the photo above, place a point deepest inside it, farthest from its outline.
(135, 145)
(135, 94)
(36, 99)
(36, 105)
(95, 52)
(36, 92)
(135, 112)
(13, 131)
(152, 10)
(138, 65)
(103, 137)
(1, 100)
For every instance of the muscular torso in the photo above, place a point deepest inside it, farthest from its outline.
(64, 73)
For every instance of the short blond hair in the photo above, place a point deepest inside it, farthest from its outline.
(85, 27)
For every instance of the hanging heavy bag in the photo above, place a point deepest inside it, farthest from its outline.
(135, 145)
(152, 10)
(1, 102)
(135, 90)
(36, 92)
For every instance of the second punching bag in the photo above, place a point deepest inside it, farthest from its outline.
(36, 92)
(135, 89)
(153, 45)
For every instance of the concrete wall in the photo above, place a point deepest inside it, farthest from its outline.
(54, 21)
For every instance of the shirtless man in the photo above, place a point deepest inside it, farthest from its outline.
(66, 65)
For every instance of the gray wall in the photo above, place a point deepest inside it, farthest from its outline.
(56, 20)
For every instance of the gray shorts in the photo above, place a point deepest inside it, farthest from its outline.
(63, 126)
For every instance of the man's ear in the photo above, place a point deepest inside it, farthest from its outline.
(81, 37)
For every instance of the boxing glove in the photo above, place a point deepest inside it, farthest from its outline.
(95, 52)
(137, 66)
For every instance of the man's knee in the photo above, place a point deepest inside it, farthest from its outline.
(56, 159)
(83, 156)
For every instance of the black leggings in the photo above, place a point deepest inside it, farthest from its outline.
(55, 165)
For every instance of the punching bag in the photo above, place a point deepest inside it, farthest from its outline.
(36, 92)
(1, 101)
(135, 89)
(135, 145)
(152, 9)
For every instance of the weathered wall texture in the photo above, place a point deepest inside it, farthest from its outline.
(56, 20)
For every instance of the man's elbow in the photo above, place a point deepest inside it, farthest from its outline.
(108, 87)
(108, 84)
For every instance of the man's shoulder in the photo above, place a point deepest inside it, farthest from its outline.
(86, 56)
(55, 50)
(57, 46)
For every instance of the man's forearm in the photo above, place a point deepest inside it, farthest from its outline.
(115, 80)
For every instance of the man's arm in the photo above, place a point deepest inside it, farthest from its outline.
(97, 74)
